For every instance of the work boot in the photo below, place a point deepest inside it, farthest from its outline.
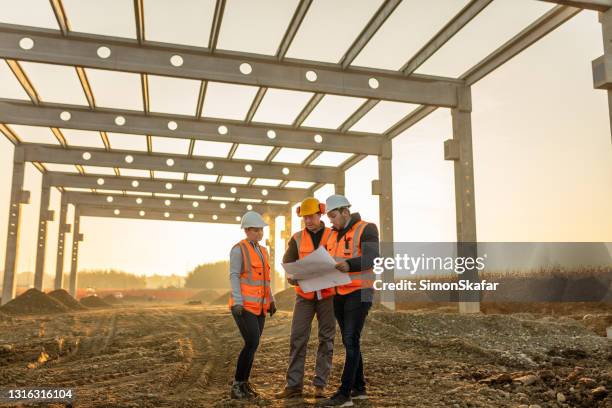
(238, 390)
(359, 394)
(289, 392)
(250, 389)
(337, 400)
(319, 392)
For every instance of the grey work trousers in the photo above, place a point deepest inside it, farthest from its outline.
(303, 313)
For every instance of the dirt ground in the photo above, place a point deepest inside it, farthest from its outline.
(184, 356)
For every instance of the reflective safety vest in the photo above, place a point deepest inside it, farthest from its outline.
(254, 279)
(348, 247)
(305, 247)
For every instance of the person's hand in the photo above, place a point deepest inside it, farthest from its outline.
(292, 282)
(272, 308)
(237, 310)
(343, 266)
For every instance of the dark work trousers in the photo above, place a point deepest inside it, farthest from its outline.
(351, 313)
(251, 326)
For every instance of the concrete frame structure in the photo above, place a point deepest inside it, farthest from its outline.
(209, 64)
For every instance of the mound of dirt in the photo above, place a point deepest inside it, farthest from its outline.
(222, 300)
(205, 295)
(33, 301)
(66, 299)
(94, 301)
(112, 299)
(285, 299)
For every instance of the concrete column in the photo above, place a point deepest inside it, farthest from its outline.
(61, 239)
(605, 18)
(18, 197)
(286, 235)
(44, 216)
(272, 250)
(77, 237)
(459, 149)
(339, 185)
(383, 187)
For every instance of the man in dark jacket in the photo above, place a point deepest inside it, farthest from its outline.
(354, 244)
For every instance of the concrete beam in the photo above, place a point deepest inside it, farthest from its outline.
(176, 204)
(125, 55)
(117, 158)
(533, 33)
(188, 127)
(447, 32)
(598, 5)
(146, 185)
(134, 213)
(384, 11)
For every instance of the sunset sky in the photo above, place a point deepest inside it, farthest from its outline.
(541, 133)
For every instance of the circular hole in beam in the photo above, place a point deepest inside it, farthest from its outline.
(119, 121)
(311, 76)
(65, 116)
(318, 138)
(172, 125)
(271, 134)
(86, 156)
(373, 83)
(176, 60)
(246, 68)
(103, 52)
(26, 43)
(222, 130)
(129, 158)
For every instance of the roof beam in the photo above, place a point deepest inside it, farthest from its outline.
(215, 27)
(533, 33)
(598, 5)
(451, 28)
(368, 32)
(134, 213)
(147, 185)
(176, 204)
(294, 25)
(126, 55)
(99, 157)
(20, 112)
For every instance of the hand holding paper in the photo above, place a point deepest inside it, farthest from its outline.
(316, 271)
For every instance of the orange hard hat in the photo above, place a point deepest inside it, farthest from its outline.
(309, 206)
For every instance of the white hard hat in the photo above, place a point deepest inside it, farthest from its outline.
(336, 201)
(252, 219)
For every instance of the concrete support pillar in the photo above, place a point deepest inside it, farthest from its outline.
(459, 149)
(44, 216)
(18, 197)
(61, 239)
(77, 237)
(271, 243)
(602, 67)
(339, 185)
(383, 188)
(286, 235)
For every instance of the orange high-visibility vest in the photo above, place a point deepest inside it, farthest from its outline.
(349, 246)
(305, 247)
(254, 279)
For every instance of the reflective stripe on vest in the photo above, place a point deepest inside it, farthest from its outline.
(255, 290)
(359, 279)
(305, 246)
